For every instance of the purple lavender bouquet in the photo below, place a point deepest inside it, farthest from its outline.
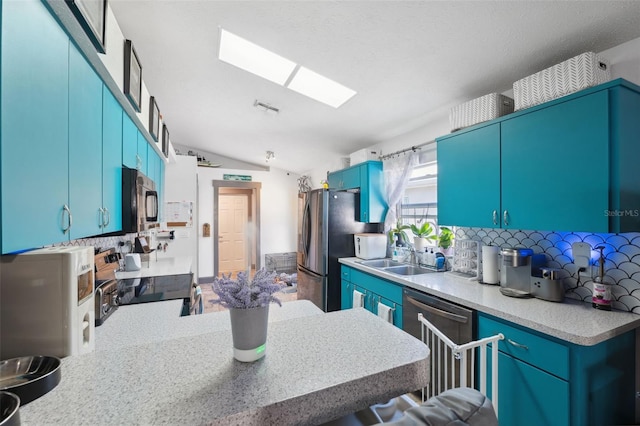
(243, 293)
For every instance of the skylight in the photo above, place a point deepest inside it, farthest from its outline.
(320, 88)
(250, 57)
(257, 60)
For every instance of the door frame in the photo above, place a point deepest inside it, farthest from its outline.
(253, 191)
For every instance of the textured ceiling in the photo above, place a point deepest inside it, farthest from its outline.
(406, 59)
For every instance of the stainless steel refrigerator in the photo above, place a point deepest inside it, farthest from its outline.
(326, 224)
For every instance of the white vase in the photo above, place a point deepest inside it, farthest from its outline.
(419, 243)
(249, 332)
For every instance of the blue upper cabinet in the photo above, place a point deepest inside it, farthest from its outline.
(567, 165)
(85, 147)
(111, 162)
(143, 154)
(368, 178)
(555, 167)
(469, 178)
(33, 126)
(129, 142)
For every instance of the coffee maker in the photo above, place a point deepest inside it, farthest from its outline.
(515, 272)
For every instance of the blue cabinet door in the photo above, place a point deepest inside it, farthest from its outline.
(373, 207)
(542, 153)
(530, 396)
(85, 147)
(160, 188)
(469, 178)
(346, 295)
(111, 162)
(143, 154)
(129, 142)
(33, 127)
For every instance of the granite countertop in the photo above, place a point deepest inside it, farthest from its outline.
(318, 366)
(179, 265)
(132, 325)
(571, 320)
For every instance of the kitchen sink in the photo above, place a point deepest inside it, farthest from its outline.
(380, 263)
(407, 270)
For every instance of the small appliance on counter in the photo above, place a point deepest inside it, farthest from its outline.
(516, 270)
(132, 262)
(370, 245)
(47, 305)
(549, 286)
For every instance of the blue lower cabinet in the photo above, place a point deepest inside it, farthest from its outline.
(530, 396)
(546, 381)
(375, 290)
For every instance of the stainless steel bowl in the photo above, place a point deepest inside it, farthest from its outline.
(9, 409)
(29, 377)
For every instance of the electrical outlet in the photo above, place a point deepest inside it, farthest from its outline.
(582, 258)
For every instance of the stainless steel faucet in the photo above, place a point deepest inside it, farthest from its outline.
(413, 257)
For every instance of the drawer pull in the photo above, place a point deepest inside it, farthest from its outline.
(518, 345)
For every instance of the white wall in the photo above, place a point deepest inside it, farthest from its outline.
(181, 184)
(624, 60)
(279, 212)
(113, 60)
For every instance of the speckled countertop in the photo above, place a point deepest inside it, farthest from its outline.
(571, 320)
(318, 367)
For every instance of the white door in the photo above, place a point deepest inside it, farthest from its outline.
(233, 238)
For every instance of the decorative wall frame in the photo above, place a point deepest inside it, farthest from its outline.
(154, 119)
(165, 140)
(92, 16)
(132, 76)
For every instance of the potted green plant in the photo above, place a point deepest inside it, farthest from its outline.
(248, 302)
(398, 235)
(445, 239)
(421, 235)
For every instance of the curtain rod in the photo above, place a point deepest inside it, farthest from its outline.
(402, 151)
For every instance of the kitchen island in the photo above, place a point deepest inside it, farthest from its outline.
(318, 367)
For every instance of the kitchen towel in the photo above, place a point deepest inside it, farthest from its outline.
(490, 264)
(385, 312)
(358, 299)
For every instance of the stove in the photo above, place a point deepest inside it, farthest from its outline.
(106, 299)
(106, 293)
(154, 289)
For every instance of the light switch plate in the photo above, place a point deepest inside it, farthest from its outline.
(582, 257)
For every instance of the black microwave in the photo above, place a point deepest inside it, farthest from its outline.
(139, 201)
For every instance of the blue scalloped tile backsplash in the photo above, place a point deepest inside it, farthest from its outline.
(622, 253)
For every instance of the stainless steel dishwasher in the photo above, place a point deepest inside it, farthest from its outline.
(455, 321)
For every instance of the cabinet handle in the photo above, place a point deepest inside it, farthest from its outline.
(101, 224)
(106, 210)
(495, 217)
(518, 345)
(505, 217)
(65, 208)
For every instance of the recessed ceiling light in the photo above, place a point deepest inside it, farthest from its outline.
(250, 57)
(320, 88)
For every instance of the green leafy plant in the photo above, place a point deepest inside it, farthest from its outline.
(445, 239)
(401, 231)
(423, 231)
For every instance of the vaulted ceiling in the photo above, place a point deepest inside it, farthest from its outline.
(406, 59)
